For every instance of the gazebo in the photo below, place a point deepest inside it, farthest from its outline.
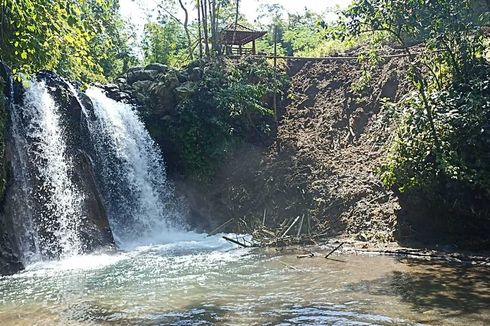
(236, 37)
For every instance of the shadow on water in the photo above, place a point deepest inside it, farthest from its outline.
(334, 314)
(93, 312)
(454, 290)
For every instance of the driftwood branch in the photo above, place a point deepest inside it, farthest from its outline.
(221, 227)
(244, 245)
(300, 225)
(290, 227)
(334, 250)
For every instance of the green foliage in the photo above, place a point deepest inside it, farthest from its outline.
(164, 42)
(369, 60)
(461, 116)
(303, 34)
(228, 106)
(442, 147)
(449, 29)
(81, 39)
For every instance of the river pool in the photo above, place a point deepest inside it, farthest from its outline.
(201, 280)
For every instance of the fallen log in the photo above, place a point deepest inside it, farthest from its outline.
(310, 255)
(236, 242)
(334, 250)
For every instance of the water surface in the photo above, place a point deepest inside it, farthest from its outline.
(205, 280)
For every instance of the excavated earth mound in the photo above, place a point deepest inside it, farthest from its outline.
(330, 142)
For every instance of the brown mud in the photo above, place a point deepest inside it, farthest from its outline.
(333, 133)
(330, 142)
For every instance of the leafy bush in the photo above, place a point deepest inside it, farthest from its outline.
(165, 43)
(442, 148)
(462, 120)
(227, 106)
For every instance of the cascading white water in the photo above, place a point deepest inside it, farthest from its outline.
(140, 200)
(27, 235)
(40, 138)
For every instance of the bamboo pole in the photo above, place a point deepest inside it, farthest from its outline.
(290, 227)
(334, 250)
(300, 225)
(275, 72)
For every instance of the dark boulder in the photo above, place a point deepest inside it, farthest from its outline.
(195, 74)
(95, 230)
(157, 67)
(9, 260)
(139, 75)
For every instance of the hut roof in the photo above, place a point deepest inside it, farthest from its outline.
(240, 35)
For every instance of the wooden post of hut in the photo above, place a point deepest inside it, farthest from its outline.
(237, 37)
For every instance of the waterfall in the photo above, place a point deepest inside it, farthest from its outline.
(44, 172)
(81, 173)
(27, 236)
(139, 199)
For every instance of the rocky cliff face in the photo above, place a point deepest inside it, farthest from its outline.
(9, 261)
(156, 90)
(19, 213)
(330, 141)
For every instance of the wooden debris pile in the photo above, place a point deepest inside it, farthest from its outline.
(293, 231)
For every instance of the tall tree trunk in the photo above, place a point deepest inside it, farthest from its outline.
(237, 13)
(204, 11)
(212, 17)
(217, 39)
(199, 23)
(186, 28)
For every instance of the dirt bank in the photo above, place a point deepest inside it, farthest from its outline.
(330, 141)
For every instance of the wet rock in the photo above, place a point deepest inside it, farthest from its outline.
(185, 91)
(157, 67)
(9, 261)
(140, 97)
(112, 87)
(140, 75)
(142, 86)
(163, 99)
(195, 74)
(121, 81)
(96, 232)
(134, 69)
(172, 80)
(183, 76)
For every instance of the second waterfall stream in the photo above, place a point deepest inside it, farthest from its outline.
(140, 201)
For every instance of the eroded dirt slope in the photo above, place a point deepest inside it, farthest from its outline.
(330, 142)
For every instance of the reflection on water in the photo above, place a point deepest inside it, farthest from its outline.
(206, 281)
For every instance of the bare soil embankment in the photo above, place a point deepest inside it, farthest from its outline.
(330, 142)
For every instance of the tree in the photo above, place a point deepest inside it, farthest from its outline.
(447, 28)
(441, 149)
(186, 28)
(74, 37)
(163, 42)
